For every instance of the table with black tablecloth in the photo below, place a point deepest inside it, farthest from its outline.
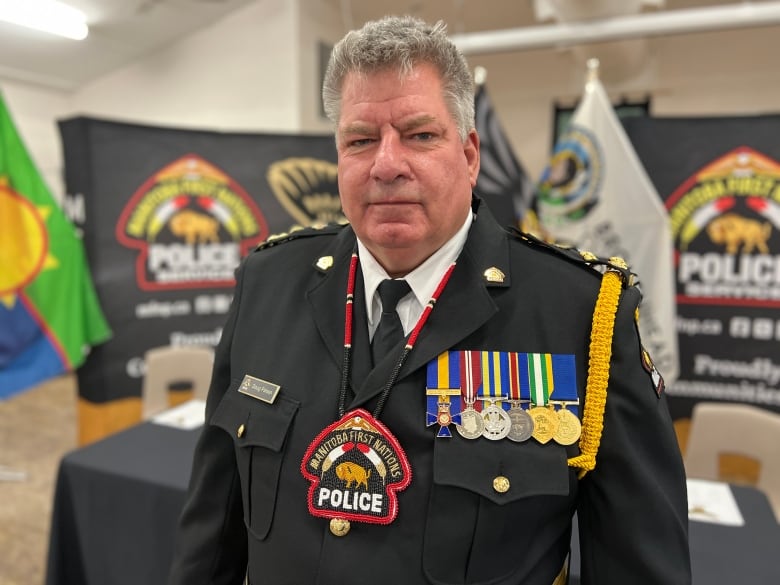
(116, 506)
(727, 555)
(117, 503)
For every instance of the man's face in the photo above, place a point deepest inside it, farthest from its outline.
(405, 176)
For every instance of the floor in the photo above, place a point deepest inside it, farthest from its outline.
(37, 428)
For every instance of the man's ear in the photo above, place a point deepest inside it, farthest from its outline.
(471, 150)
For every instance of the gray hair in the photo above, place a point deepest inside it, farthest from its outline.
(402, 42)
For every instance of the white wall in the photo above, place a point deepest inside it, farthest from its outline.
(319, 23)
(715, 73)
(257, 70)
(34, 111)
(238, 74)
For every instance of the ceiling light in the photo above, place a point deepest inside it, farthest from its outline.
(46, 15)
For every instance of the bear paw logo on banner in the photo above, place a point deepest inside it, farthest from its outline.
(308, 190)
(192, 224)
(725, 222)
(569, 186)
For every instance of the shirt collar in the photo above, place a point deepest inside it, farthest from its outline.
(423, 280)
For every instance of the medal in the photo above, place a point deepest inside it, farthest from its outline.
(495, 379)
(569, 427)
(443, 382)
(471, 424)
(497, 423)
(540, 382)
(522, 425)
(564, 396)
(439, 403)
(356, 466)
(545, 423)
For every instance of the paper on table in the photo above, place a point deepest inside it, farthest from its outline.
(713, 501)
(187, 415)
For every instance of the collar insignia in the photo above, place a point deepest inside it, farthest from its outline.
(493, 274)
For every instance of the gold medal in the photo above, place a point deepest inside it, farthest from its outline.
(545, 423)
(569, 427)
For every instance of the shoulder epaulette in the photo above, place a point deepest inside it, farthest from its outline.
(300, 232)
(615, 263)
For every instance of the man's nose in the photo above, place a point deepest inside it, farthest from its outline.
(389, 160)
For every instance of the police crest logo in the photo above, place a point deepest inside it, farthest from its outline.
(191, 224)
(725, 222)
(308, 189)
(355, 467)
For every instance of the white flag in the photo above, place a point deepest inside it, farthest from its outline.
(596, 195)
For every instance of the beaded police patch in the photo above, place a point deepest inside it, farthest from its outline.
(355, 467)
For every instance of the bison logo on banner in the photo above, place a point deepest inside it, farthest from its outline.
(191, 224)
(725, 220)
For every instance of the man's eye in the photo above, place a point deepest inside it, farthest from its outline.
(423, 136)
(360, 142)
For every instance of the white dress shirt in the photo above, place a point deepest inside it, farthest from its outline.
(423, 280)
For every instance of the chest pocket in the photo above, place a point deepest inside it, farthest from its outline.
(491, 503)
(259, 431)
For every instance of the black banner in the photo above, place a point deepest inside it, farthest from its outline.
(166, 215)
(719, 179)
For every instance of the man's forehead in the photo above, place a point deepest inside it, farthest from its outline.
(416, 120)
(364, 80)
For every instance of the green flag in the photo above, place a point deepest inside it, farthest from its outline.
(49, 312)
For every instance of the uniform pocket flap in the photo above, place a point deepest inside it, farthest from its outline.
(501, 471)
(252, 422)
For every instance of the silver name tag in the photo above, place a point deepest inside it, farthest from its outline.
(260, 389)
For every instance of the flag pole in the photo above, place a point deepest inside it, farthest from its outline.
(593, 69)
(480, 75)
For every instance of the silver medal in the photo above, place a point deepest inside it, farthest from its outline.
(497, 423)
(522, 425)
(471, 424)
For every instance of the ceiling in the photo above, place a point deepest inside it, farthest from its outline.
(122, 31)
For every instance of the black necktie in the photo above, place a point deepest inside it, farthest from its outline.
(390, 331)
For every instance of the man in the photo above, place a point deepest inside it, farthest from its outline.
(456, 455)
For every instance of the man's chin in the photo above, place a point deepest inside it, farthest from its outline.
(395, 237)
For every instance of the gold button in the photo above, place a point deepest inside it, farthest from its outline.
(240, 431)
(339, 526)
(501, 484)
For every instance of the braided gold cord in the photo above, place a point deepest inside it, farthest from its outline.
(598, 373)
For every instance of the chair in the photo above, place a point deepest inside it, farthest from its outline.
(174, 368)
(723, 431)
